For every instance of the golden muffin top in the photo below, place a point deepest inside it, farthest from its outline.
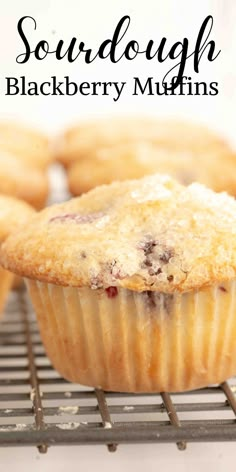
(147, 234)
(13, 212)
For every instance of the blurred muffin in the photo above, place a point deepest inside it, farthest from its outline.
(13, 212)
(82, 141)
(23, 181)
(215, 168)
(134, 284)
(28, 145)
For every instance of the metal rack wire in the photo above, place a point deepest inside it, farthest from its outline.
(38, 407)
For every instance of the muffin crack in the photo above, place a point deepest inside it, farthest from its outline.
(77, 218)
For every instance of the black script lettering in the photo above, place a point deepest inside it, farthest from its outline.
(184, 54)
(44, 46)
(25, 56)
(201, 47)
(131, 46)
(116, 39)
(158, 52)
(196, 53)
(68, 52)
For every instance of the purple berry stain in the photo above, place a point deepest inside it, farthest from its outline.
(223, 289)
(112, 292)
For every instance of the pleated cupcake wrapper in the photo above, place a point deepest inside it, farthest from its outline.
(124, 340)
(17, 282)
(6, 280)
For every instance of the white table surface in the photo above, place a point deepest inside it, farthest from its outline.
(198, 457)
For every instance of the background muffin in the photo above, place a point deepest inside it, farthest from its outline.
(13, 212)
(82, 141)
(215, 168)
(22, 181)
(134, 285)
(31, 147)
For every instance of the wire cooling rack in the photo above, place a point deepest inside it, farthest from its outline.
(38, 407)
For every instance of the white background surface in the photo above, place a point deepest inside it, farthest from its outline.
(137, 458)
(93, 21)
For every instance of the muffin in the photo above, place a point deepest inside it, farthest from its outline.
(29, 146)
(82, 141)
(134, 285)
(13, 212)
(135, 160)
(23, 182)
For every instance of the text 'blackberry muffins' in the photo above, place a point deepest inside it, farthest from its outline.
(134, 285)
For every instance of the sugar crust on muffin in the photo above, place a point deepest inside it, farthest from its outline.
(147, 234)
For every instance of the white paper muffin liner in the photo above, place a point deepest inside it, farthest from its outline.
(128, 341)
(6, 279)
